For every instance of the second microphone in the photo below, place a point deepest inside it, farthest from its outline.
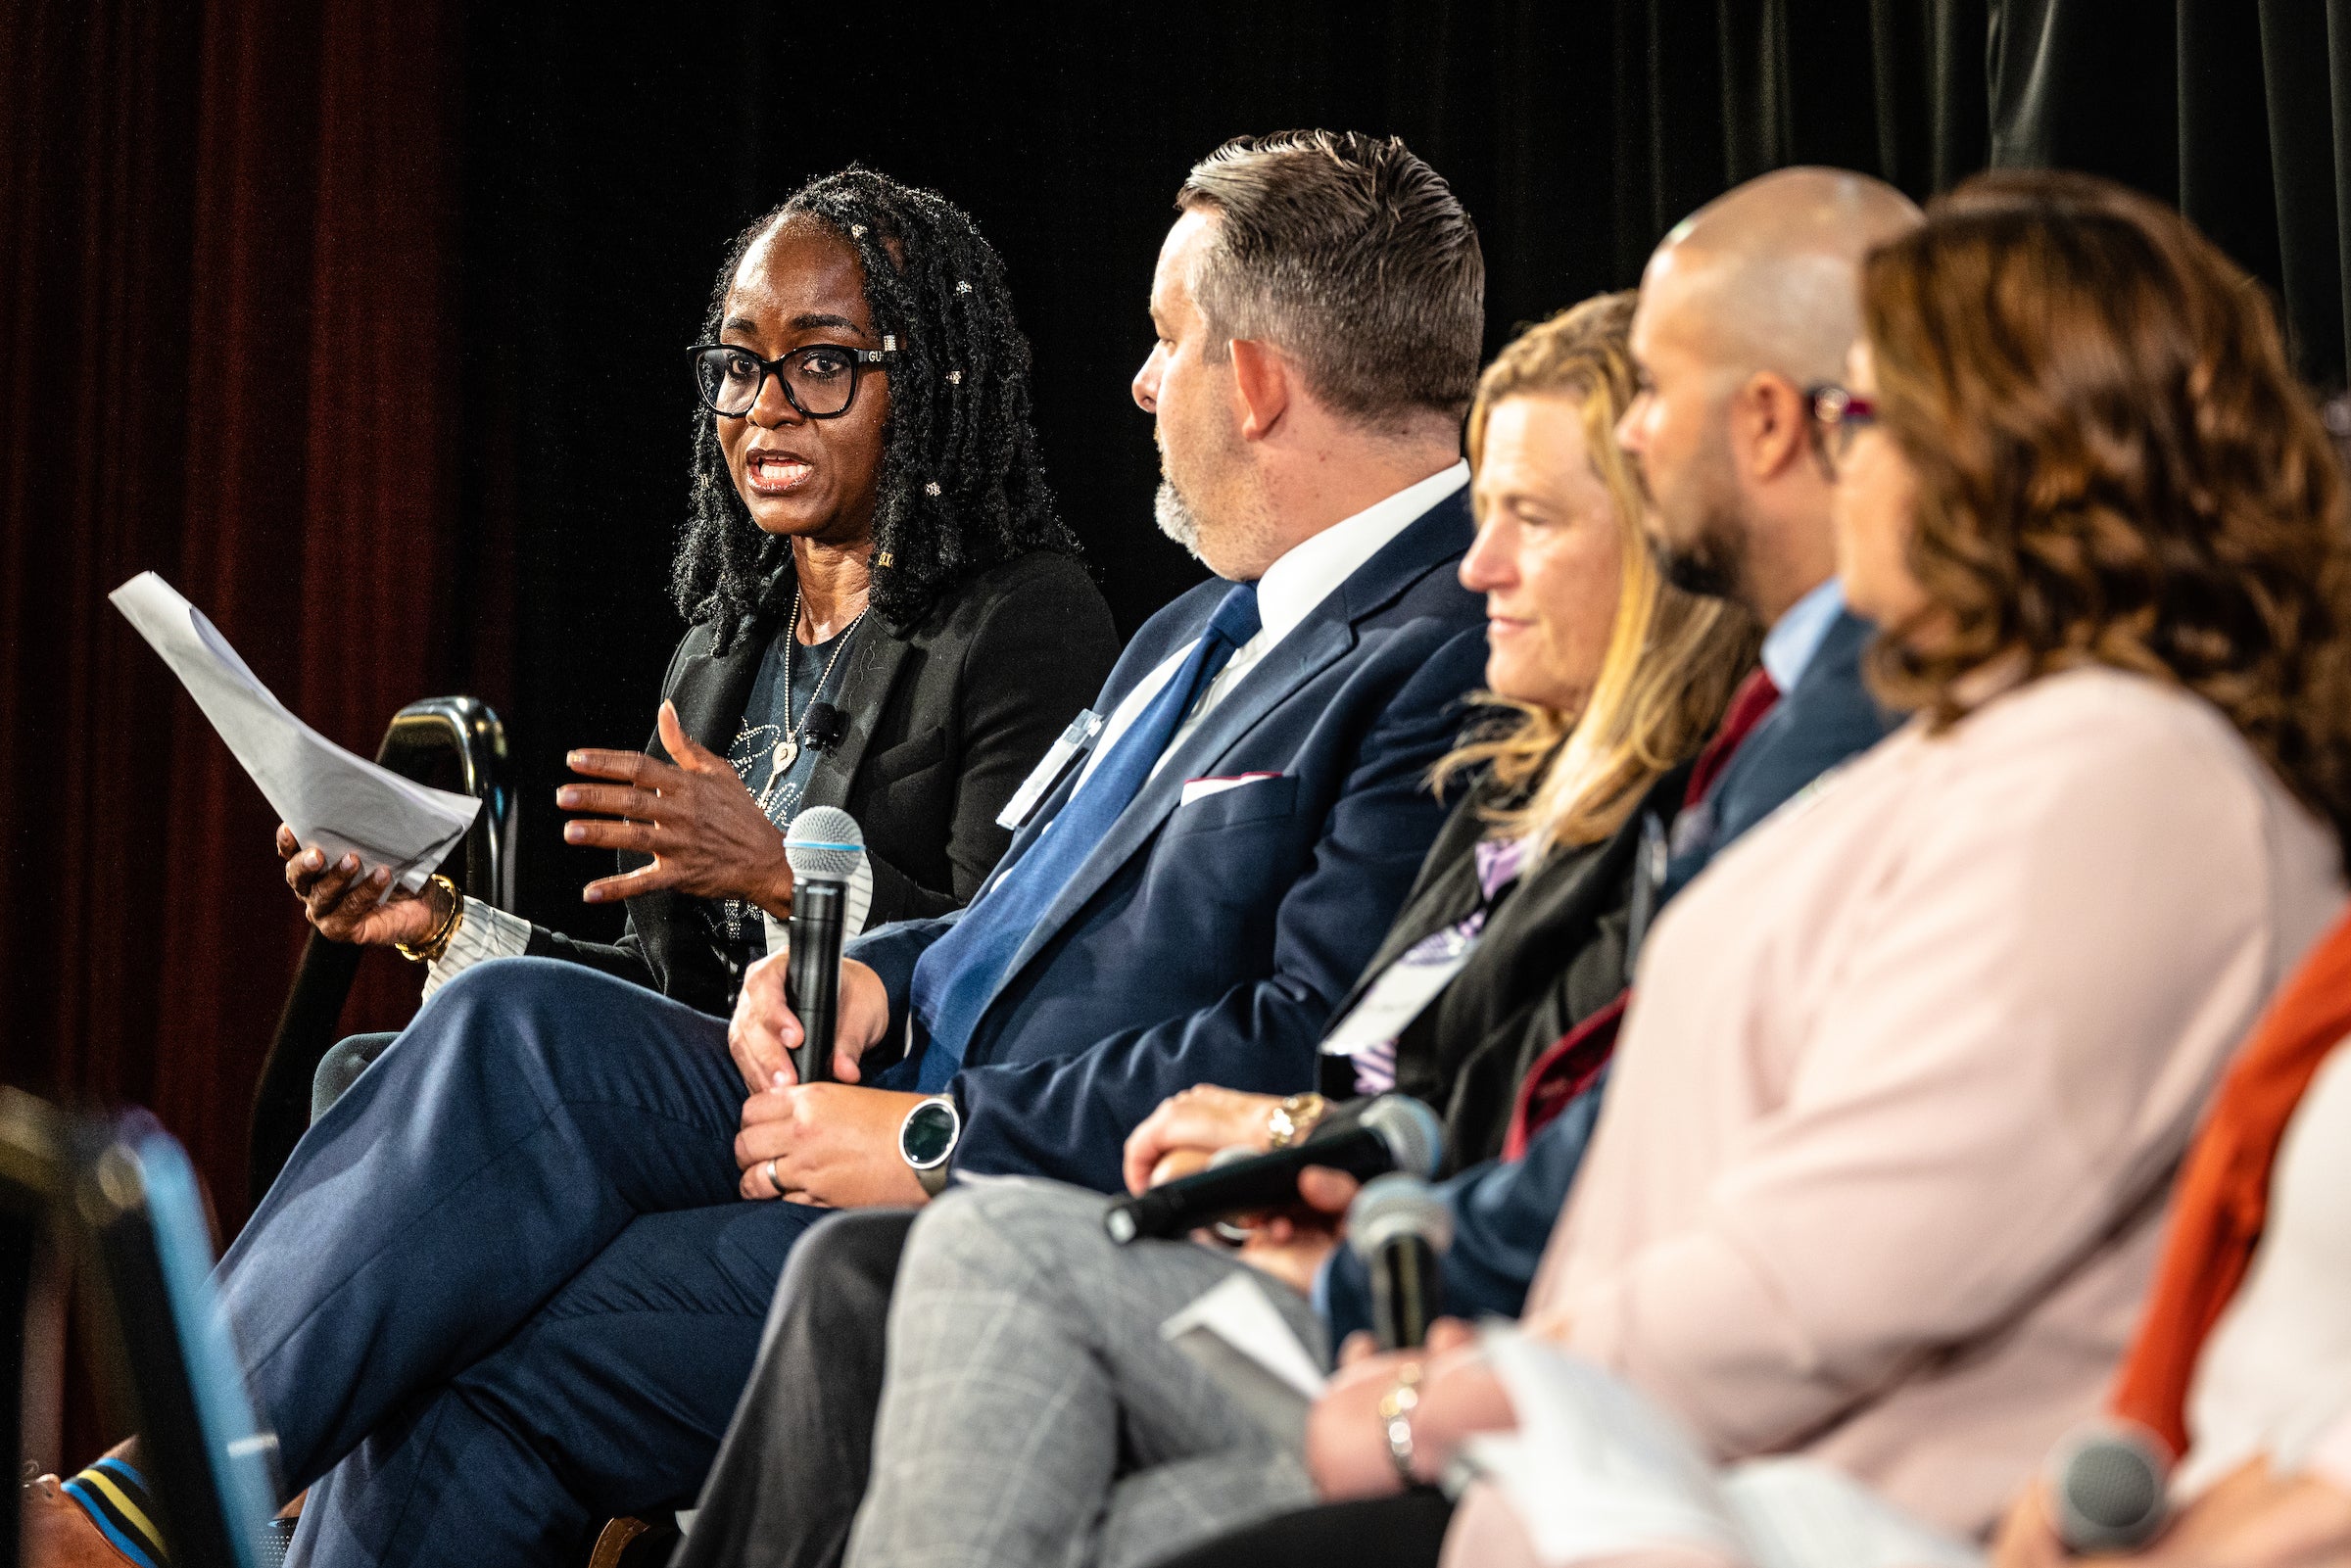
(1394, 1132)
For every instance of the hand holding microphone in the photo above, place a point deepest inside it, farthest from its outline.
(1396, 1132)
(1400, 1229)
(2106, 1489)
(825, 846)
(771, 1038)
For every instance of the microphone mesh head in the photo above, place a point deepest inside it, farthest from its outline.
(1396, 1206)
(1413, 1133)
(825, 844)
(2107, 1482)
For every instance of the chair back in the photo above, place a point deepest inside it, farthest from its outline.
(422, 736)
(119, 1196)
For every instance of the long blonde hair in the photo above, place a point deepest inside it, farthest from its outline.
(1560, 777)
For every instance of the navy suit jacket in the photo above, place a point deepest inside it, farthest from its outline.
(1829, 717)
(1503, 1213)
(1209, 942)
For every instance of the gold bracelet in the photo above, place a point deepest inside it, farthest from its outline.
(429, 950)
(1294, 1119)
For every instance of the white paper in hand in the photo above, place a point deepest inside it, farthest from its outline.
(1596, 1470)
(329, 797)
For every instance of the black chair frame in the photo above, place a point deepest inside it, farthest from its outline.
(116, 1197)
(420, 734)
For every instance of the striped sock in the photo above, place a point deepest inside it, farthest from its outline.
(115, 1498)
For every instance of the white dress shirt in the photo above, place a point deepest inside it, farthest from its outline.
(1285, 597)
(1797, 636)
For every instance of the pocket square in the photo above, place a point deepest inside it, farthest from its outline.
(1202, 789)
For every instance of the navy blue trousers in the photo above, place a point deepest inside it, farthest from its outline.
(506, 1288)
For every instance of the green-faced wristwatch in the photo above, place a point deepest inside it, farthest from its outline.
(926, 1140)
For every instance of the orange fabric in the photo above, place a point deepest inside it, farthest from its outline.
(2222, 1198)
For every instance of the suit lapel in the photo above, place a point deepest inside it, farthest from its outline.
(872, 669)
(1324, 636)
(710, 691)
(1298, 658)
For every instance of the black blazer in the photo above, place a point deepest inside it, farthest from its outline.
(943, 724)
(1551, 954)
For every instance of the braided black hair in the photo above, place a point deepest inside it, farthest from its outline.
(962, 486)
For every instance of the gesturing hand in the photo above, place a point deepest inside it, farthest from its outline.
(764, 1032)
(346, 907)
(706, 834)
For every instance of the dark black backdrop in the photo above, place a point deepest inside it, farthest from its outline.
(361, 323)
(607, 166)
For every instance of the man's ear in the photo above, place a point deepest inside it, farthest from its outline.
(1771, 425)
(1261, 387)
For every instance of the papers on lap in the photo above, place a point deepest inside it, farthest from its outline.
(328, 797)
(1596, 1469)
(1235, 1335)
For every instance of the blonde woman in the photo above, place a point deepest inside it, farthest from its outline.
(1605, 682)
(1602, 681)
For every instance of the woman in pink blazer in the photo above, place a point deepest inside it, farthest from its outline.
(1908, 1070)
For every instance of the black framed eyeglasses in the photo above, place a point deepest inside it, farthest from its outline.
(1838, 417)
(819, 380)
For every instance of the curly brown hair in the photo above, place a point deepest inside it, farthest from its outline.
(2114, 466)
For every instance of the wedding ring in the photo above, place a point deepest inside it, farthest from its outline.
(773, 1179)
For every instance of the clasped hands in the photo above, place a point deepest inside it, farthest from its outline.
(1346, 1445)
(834, 1145)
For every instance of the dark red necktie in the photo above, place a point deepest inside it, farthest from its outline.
(1572, 1063)
(1755, 698)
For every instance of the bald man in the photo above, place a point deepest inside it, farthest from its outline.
(1746, 310)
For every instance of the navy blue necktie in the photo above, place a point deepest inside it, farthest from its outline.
(958, 974)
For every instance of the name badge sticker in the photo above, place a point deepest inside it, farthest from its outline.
(1401, 995)
(1046, 777)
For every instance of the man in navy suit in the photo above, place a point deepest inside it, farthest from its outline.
(1746, 310)
(509, 1284)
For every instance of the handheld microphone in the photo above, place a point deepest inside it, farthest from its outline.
(1399, 1228)
(2106, 1486)
(1396, 1132)
(822, 725)
(824, 846)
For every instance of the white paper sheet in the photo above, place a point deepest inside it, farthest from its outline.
(329, 797)
(1237, 1312)
(1596, 1469)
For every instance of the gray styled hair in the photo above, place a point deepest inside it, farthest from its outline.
(1352, 257)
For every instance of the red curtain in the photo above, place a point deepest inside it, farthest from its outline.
(226, 341)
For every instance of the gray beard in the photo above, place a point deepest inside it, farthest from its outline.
(1175, 519)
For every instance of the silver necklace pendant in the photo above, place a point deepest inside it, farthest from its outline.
(788, 751)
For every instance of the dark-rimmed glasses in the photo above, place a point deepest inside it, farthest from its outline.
(1838, 417)
(819, 380)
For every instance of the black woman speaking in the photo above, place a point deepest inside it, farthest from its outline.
(887, 614)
